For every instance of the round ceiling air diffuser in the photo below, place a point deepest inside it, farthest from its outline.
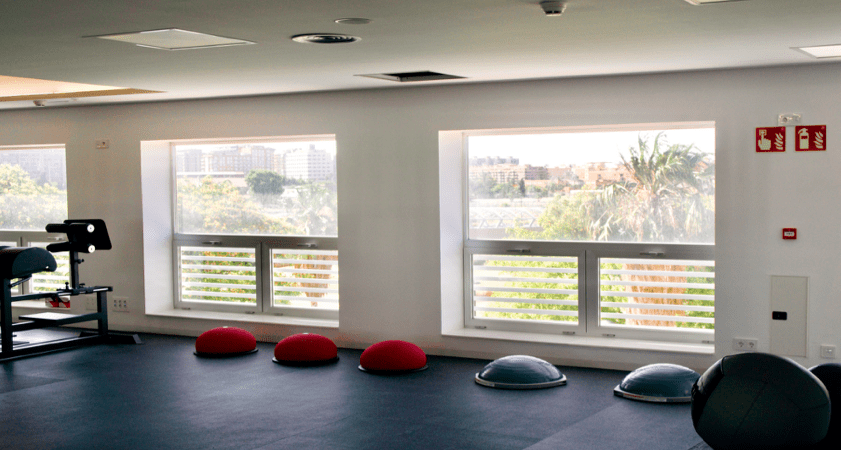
(392, 357)
(658, 383)
(520, 372)
(305, 350)
(224, 342)
(324, 38)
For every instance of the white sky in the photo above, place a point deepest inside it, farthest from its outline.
(560, 149)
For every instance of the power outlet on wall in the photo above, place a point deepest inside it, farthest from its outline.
(90, 304)
(119, 304)
(745, 344)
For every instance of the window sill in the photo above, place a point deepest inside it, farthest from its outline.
(250, 318)
(33, 304)
(586, 341)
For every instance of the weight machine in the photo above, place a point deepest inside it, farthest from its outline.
(18, 264)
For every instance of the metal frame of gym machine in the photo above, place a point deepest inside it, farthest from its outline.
(84, 236)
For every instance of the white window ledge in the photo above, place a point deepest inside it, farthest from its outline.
(33, 304)
(586, 341)
(251, 318)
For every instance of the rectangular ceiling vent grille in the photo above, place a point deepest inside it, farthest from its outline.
(406, 77)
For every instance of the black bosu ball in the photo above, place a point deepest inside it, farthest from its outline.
(520, 372)
(658, 383)
(757, 401)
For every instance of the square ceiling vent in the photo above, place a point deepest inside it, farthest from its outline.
(406, 77)
(173, 39)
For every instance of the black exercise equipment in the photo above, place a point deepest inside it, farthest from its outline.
(17, 265)
(757, 401)
(830, 376)
(658, 383)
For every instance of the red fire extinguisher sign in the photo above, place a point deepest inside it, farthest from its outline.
(771, 139)
(810, 138)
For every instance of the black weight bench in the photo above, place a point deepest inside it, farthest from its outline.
(17, 265)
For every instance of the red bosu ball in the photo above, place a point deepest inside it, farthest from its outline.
(392, 357)
(225, 341)
(305, 350)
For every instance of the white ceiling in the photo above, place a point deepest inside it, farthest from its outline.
(482, 40)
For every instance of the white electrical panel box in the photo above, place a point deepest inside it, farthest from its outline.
(789, 298)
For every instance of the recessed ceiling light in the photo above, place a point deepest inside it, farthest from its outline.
(324, 38)
(173, 39)
(14, 89)
(704, 2)
(822, 51)
(353, 21)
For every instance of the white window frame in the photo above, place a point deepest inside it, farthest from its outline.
(25, 238)
(588, 254)
(262, 245)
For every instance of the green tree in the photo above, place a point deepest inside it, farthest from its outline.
(265, 182)
(566, 218)
(667, 198)
(482, 187)
(209, 207)
(318, 210)
(26, 205)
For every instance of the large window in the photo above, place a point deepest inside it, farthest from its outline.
(592, 231)
(33, 193)
(255, 226)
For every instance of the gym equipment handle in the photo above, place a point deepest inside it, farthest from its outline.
(71, 247)
(70, 228)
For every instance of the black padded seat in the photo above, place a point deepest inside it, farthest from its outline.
(759, 401)
(21, 262)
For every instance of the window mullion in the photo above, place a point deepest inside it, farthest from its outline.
(591, 291)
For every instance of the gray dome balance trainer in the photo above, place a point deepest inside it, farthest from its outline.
(658, 383)
(520, 372)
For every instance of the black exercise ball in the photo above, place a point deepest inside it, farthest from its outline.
(757, 401)
(830, 376)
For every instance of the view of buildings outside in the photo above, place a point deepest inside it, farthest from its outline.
(631, 186)
(652, 186)
(283, 188)
(33, 188)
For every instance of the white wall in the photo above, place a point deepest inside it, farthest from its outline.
(388, 175)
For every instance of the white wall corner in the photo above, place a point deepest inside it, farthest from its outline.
(450, 191)
(156, 181)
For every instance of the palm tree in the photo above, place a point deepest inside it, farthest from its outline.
(665, 200)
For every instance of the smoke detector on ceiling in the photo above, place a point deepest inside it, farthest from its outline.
(553, 8)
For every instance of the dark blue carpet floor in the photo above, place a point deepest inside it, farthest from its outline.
(160, 396)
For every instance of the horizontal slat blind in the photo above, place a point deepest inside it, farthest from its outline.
(51, 281)
(657, 293)
(218, 274)
(525, 288)
(305, 278)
